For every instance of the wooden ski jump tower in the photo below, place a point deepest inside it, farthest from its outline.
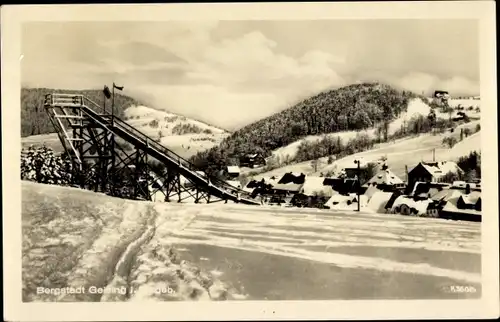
(111, 156)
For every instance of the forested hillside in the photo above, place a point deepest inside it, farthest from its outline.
(354, 107)
(34, 119)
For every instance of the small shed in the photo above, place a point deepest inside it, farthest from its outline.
(233, 171)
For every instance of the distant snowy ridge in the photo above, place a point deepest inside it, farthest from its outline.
(141, 115)
(179, 133)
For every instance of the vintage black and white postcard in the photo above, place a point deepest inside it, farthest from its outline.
(250, 161)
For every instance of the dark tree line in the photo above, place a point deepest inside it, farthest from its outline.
(471, 164)
(328, 146)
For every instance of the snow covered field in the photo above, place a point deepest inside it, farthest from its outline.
(50, 140)
(161, 252)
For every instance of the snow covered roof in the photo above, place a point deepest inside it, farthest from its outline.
(233, 169)
(471, 198)
(463, 184)
(451, 206)
(293, 187)
(447, 194)
(439, 169)
(338, 201)
(315, 185)
(385, 177)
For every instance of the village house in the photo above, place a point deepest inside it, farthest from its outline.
(314, 193)
(347, 180)
(344, 186)
(252, 160)
(470, 201)
(364, 172)
(456, 203)
(315, 186)
(432, 172)
(287, 187)
(385, 180)
(459, 200)
(262, 186)
(289, 184)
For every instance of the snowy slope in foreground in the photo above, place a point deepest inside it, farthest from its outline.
(234, 251)
(81, 239)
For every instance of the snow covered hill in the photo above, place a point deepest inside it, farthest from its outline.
(415, 107)
(400, 153)
(182, 135)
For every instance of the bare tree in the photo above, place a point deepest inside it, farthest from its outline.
(315, 164)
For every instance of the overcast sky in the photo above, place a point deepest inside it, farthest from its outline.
(233, 72)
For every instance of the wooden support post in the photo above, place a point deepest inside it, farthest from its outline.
(359, 186)
(136, 175)
(179, 186)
